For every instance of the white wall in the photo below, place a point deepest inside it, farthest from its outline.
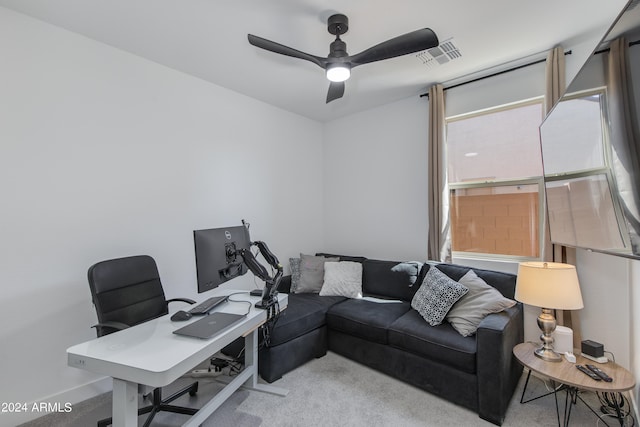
(103, 154)
(606, 284)
(375, 182)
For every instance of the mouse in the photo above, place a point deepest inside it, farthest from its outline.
(181, 315)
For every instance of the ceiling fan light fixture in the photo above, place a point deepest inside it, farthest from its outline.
(338, 72)
(338, 63)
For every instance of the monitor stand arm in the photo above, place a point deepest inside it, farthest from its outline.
(271, 283)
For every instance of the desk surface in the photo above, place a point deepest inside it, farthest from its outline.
(151, 354)
(566, 372)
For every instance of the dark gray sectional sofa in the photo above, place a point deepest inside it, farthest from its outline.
(478, 372)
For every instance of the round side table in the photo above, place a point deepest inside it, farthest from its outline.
(572, 379)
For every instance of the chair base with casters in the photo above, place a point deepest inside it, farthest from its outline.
(162, 405)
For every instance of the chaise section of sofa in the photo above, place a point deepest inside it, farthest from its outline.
(299, 336)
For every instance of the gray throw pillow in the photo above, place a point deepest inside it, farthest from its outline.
(294, 263)
(436, 295)
(312, 273)
(481, 300)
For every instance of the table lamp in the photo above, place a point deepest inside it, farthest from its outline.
(548, 285)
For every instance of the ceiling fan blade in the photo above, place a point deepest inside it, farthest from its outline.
(412, 42)
(285, 50)
(336, 90)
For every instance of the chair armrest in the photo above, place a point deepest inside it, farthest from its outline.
(498, 370)
(117, 326)
(187, 300)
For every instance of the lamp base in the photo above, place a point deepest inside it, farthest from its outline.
(547, 324)
(547, 354)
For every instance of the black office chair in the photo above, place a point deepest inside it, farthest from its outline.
(127, 292)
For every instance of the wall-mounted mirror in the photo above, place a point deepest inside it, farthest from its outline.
(590, 149)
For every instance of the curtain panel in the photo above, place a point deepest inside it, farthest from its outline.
(439, 241)
(624, 135)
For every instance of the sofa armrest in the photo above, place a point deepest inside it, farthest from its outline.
(285, 284)
(498, 370)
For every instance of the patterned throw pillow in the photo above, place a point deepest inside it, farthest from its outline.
(436, 296)
(294, 263)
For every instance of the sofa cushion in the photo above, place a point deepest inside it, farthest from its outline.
(441, 343)
(410, 268)
(304, 313)
(480, 301)
(436, 296)
(504, 282)
(365, 319)
(342, 278)
(285, 284)
(388, 279)
(359, 259)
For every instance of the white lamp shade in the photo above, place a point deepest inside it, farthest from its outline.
(549, 285)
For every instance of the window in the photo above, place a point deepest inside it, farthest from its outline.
(495, 181)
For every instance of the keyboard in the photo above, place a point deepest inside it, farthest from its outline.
(207, 305)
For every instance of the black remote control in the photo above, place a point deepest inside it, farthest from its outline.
(589, 372)
(599, 372)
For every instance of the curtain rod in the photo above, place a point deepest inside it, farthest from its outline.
(519, 67)
(608, 49)
(494, 74)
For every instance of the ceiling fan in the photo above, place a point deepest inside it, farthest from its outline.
(339, 63)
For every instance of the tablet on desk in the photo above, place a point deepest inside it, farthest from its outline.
(209, 326)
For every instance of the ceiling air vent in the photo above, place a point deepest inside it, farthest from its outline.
(441, 54)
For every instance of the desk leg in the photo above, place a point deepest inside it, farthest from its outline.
(248, 379)
(125, 403)
(251, 363)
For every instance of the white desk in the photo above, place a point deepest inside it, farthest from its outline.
(151, 354)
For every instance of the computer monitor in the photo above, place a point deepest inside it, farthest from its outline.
(218, 256)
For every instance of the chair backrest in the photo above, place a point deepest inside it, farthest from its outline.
(127, 290)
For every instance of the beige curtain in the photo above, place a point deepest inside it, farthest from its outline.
(555, 77)
(439, 245)
(624, 136)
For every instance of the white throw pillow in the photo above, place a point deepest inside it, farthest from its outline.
(342, 279)
(481, 300)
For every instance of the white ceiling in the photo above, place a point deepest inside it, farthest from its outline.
(208, 39)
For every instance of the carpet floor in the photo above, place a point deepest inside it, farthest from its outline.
(335, 391)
